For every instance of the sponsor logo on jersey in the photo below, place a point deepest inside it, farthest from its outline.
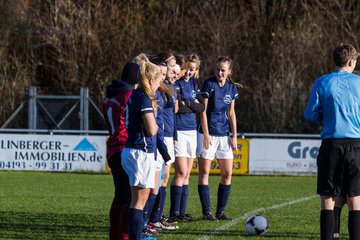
(227, 99)
(193, 94)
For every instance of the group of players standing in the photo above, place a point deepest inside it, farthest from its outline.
(151, 114)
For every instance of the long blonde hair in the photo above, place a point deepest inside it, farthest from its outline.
(148, 71)
(193, 58)
(142, 57)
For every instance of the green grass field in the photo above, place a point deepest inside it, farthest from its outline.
(41, 205)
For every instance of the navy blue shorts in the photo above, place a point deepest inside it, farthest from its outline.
(338, 165)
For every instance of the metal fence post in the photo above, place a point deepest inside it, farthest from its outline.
(84, 108)
(32, 108)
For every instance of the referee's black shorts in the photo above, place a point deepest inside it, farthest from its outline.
(338, 165)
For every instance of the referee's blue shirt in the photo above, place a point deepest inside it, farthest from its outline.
(335, 99)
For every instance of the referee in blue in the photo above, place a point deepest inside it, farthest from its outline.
(335, 101)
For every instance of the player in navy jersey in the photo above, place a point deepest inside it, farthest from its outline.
(188, 93)
(166, 100)
(138, 156)
(117, 95)
(152, 207)
(217, 122)
(158, 159)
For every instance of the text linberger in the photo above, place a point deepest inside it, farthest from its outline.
(30, 144)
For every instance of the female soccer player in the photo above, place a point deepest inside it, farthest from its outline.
(138, 155)
(217, 120)
(117, 96)
(163, 154)
(168, 102)
(185, 148)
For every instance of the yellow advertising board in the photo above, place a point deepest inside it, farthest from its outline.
(107, 168)
(240, 165)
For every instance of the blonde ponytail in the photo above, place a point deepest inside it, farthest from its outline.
(238, 85)
(167, 89)
(148, 71)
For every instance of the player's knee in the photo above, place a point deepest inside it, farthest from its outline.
(204, 172)
(226, 177)
(354, 203)
(181, 174)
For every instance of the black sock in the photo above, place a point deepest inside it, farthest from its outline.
(326, 224)
(148, 208)
(155, 215)
(354, 225)
(184, 199)
(135, 223)
(175, 198)
(337, 216)
(204, 194)
(162, 201)
(223, 197)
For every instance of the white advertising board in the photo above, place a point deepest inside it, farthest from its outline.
(283, 156)
(27, 152)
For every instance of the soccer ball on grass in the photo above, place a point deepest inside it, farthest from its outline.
(256, 225)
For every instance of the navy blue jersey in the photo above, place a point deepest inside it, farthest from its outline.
(138, 104)
(219, 99)
(169, 114)
(159, 115)
(188, 90)
(160, 144)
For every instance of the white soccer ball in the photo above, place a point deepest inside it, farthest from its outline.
(256, 225)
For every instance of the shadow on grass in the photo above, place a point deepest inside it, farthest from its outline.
(23, 225)
(229, 234)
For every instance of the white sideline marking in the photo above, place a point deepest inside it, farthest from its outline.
(246, 215)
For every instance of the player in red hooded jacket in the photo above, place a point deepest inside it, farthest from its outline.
(114, 105)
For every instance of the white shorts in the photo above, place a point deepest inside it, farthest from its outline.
(169, 142)
(139, 166)
(186, 144)
(220, 148)
(159, 162)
